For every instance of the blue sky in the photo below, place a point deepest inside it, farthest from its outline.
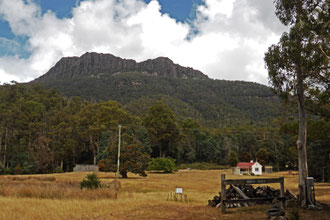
(225, 39)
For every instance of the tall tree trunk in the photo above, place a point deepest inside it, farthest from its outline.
(96, 151)
(160, 151)
(93, 149)
(301, 142)
(123, 174)
(0, 145)
(5, 150)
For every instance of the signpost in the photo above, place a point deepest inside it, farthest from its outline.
(178, 191)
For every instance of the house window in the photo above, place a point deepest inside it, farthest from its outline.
(256, 169)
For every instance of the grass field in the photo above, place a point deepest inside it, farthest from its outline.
(58, 196)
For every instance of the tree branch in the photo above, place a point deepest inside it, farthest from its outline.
(322, 51)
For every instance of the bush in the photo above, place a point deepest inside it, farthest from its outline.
(58, 170)
(162, 164)
(28, 168)
(91, 181)
(17, 170)
(7, 171)
(233, 159)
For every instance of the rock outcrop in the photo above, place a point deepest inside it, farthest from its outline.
(96, 65)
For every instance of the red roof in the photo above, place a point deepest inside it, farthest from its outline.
(245, 165)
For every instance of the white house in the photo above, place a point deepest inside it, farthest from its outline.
(248, 168)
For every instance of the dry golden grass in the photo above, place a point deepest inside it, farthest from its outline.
(58, 196)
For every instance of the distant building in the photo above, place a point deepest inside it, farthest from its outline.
(85, 168)
(248, 168)
(268, 169)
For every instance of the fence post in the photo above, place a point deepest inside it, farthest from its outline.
(282, 192)
(223, 192)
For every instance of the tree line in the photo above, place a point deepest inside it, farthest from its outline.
(42, 131)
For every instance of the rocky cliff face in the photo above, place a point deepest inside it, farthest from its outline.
(95, 64)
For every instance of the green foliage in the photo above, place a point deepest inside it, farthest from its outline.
(41, 129)
(58, 170)
(162, 127)
(298, 65)
(95, 119)
(262, 156)
(2, 169)
(188, 143)
(103, 144)
(132, 156)
(216, 103)
(28, 167)
(162, 164)
(233, 159)
(7, 171)
(17, 170)
(91, 181)
(304, 48)
(318, 149)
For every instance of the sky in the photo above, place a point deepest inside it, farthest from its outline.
(225, 39)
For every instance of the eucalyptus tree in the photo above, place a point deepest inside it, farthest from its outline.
(95, 119)
(132, 156)
(298, 65)
(162, 126)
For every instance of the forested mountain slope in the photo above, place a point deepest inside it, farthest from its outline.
(137, 86)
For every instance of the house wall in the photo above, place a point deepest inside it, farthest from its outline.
(259, 169)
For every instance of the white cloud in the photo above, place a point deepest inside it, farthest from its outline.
(232, 36)
(14, 68)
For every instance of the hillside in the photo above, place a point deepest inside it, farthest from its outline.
(137, 86)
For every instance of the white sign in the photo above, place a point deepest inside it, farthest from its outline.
(178, 190)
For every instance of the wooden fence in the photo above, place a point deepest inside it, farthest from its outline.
(225, 182)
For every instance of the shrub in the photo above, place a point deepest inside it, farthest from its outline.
(162, 164)
(58, 170)
(91, 181)
(28, 167)
(17, 170)
(7, 171)
(233, 159)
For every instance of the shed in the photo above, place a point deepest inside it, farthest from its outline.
(268, 169)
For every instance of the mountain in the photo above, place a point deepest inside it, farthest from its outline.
(97, 65)
(189, 92)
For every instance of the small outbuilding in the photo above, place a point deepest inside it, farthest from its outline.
(268, 169)
(248, 168)
(85, 168)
